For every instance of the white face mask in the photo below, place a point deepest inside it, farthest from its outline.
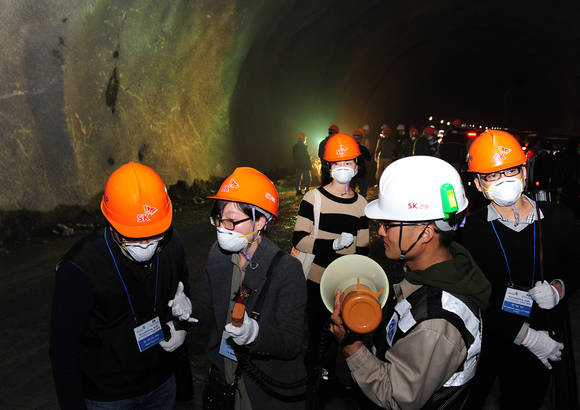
(506, 191)
(232, 241)
(343, 175)
(140, 252)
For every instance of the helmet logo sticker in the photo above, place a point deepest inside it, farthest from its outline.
(415, 205)
(148, 211)
(270, 197)
(230, 185)
(503, 152)
(342, 150)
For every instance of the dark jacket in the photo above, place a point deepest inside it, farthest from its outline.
(278, 349)
(385, 148)
(93, 348)
(300, 156)
(558, 254)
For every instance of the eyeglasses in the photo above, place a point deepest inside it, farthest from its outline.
(388, 225)
(494, 176)
(229, 224)
(135, 241)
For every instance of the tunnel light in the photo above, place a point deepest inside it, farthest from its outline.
(486, 128)
(430, 118)
(537, 183)
(448, 123)
(472, 134)
(441, 121)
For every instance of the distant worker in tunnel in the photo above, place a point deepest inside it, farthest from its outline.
(330, 223)
(361, 178)
(426, 143)
(324, 170)
(302, 163)
(428, 350)
(385, 150)
(113, 337)
(401, 138)
(253, 297)
(526, 251)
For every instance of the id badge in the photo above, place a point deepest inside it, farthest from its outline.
(149, 334)
(517, 301)
(392, 328)
(226, 350)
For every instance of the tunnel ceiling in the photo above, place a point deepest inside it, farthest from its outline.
(512, 64)
(194, 88)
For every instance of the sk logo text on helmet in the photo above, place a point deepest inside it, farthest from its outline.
(148, 211)
(503, 152)
(341, 151)
(231, 185)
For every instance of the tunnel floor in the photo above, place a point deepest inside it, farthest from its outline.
(26, 274)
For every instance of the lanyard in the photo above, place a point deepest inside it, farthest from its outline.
(125, 286)
(505, 255)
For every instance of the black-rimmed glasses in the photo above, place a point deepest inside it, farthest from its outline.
(494, 176)
(388, 225)
(229, 224)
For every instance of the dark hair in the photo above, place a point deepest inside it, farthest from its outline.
(219, 205)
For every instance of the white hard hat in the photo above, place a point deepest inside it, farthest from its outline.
(419, 188)
(401, 127)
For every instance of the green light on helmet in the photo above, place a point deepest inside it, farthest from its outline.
(448, 200)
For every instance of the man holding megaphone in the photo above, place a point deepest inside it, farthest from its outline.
(433, 334)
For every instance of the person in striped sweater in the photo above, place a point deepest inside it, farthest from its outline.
(343, 229)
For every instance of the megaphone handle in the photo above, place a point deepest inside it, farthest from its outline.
(238, 314)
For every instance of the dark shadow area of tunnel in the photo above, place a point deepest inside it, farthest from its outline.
(494, 63)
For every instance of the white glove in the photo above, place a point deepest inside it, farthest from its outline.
(343, 241)
(543, 346)
(181, 305)
(177, 338)
(246, 333)
(545, 295)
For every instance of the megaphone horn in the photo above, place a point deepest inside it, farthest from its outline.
(365, 287)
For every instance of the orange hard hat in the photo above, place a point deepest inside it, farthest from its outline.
(413, 130)
(456, 122)
(250, 186)
(136, 203)
(301, 136)
(358, 132)
(494, 150)
(333, 128)
(341, 147)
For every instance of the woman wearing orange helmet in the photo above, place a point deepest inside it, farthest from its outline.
(110, 305)
(255, 296)
(523, 249)
(331, 222)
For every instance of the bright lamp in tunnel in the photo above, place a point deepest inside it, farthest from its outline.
(441, 121)
(430, 118)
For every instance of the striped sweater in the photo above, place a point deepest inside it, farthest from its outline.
(337, 215)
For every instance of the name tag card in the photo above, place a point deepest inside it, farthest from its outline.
(148, 334)
(226, 350)
(517, 301)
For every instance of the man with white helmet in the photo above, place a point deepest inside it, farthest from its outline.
(432, 338)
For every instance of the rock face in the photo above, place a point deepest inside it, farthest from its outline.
(194, 88)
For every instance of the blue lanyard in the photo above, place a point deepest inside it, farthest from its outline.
(505, 256)
(125, 286)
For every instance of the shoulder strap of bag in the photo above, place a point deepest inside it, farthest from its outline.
(258, 306)
(317, 203)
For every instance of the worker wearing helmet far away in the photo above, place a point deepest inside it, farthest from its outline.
(113, 335)
(429, 350)
(526, 251)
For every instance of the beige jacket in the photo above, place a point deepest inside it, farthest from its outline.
(417, 365)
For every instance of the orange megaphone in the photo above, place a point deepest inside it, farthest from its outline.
(365, 288)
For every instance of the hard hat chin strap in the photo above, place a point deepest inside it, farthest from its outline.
(403, 254)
